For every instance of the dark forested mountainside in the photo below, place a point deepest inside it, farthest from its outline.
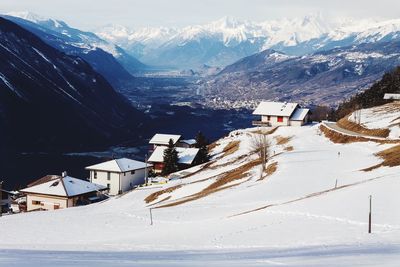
(390, 83)
(53, 101)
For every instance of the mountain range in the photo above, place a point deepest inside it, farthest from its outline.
(110, 60)
(326, 77)
(227, 40)
(53, 101)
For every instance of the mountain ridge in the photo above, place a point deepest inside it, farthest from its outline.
(236, 39)
(65, 105)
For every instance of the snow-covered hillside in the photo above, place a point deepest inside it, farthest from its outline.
(314, 194)
(381, 117)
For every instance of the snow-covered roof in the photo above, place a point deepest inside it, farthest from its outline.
(163, 139)
(392, 96)
(186, 155)
(189, 141)
(65, 187)
(44, 179)
(299, 114)
(118, 165)
(275, 109)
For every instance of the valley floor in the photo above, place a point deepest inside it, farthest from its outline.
(311, 209)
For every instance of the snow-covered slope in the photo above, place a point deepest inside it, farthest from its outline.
(309, 197)
(229, 39)
(381, 117)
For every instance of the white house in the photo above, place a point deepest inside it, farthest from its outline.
(119, 175)
(61, 192)
(186, 157)
(281, 114)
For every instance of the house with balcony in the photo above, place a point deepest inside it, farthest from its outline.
(281, 114)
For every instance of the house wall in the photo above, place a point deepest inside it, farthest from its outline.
(103, 180)
(128, 180)
(273, 120)
(300, 123)
(46, 202)
(119, 182)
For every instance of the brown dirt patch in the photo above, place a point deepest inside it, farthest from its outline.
(271, 169)
(220, 184)
(211, 146)
(390, 156)
(231, 148)
(339, 138)
(280, 140)
(152, 197)
(345, 123)
(271, 131)
(289, 148)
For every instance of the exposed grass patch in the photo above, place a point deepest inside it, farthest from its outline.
(289, 148)
(224, 182)
(339, 138)
(271, 131)
(390, 156)
(206, 166)
(271, 169)
(345, 123)
(280, 140)
(152, 197)
(231, 148)
(211, 146)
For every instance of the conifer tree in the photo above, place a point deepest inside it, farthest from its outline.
(171, 159)
(201, 144)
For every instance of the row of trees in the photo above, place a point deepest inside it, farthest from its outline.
(171, 158)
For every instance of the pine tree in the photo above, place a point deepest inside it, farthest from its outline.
(201, 144)
(171, 159)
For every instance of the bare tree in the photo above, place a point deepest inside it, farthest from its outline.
(260, 144)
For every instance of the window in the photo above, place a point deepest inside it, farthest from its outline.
(95, 175)
(108, 186)
(108, 175)
(268, 118)
(133, 172)
(35, 202)
(279, 119)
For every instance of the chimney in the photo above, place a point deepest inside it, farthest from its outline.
(64, 174)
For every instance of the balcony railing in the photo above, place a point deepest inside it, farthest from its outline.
(261, 123)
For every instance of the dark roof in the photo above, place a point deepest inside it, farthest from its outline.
(44, 179)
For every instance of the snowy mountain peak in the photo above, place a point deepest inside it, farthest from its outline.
(35, 18)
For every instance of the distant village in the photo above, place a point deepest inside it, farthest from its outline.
(169, 155)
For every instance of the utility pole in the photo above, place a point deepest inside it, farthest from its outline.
(370, 215)
(145, 171)
(151, 217)
(1, 197)
(336, 184)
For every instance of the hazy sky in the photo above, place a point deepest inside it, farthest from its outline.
(89, 14)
